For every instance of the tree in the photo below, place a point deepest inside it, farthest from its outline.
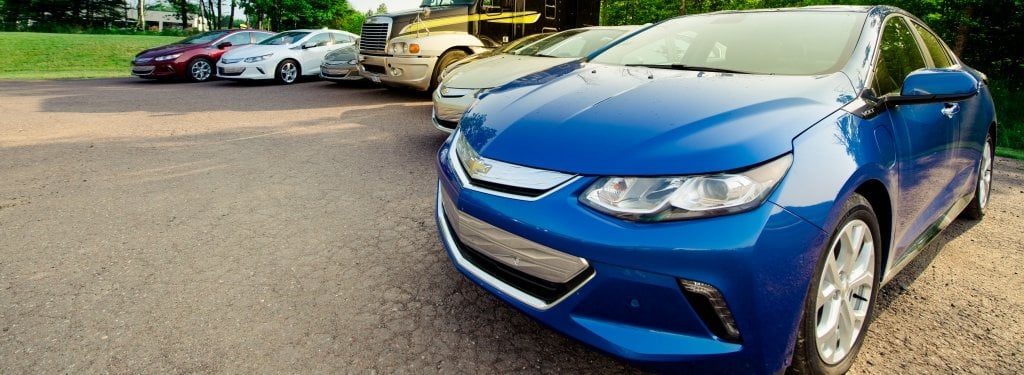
(140, 18)
(382, 8)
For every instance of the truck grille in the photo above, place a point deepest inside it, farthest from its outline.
(374, 37)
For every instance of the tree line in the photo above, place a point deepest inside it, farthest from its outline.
(981, 32)
(50, 15)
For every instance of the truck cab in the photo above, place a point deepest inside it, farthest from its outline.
(411, 48)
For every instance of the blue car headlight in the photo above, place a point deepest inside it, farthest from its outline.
(686, 197)
(258, 58)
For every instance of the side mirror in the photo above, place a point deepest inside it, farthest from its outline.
(936, 85)
(224, 45)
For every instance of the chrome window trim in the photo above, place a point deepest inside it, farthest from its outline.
(485, 277)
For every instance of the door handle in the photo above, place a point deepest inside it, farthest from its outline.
(950, 109)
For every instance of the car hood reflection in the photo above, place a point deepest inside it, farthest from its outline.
(607, 120)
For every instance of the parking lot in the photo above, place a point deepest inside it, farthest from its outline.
(148, 227)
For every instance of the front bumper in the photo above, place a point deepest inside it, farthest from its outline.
(632, 305)
(241, 70)
(413, 72)
(448, 110)
(168, 69)
(340, 72)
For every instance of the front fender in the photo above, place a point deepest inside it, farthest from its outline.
(831, 160)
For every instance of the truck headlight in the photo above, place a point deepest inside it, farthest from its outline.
(652, 199)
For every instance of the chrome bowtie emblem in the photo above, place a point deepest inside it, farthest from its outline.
(477, 166)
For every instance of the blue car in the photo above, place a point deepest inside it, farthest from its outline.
(723, 192)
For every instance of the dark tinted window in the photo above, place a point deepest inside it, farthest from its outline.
(261, 36)
(206, 37)
(319, 40)
(935, 48)
(898, 56)
(287, 37)
(342, 38)
(238, 39)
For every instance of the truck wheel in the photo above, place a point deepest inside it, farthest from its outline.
(446, 59)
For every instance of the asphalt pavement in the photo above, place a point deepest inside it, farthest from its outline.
(150, 227)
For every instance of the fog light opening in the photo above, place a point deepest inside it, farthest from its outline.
(396, 72)
(710, 306)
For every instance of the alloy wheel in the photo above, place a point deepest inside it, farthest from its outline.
(844, 292)
(201, 70)
(985, 179)
(289, 72)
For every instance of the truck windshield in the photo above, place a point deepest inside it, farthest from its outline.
(442, 3)
(790, 43)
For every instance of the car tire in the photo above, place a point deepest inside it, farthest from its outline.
(446, 59)
(983, 189)
(840, 302)
(287, 72)
(199, 70)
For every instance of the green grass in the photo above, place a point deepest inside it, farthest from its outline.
(1010, 153)
(71, 56)
(1010, 111)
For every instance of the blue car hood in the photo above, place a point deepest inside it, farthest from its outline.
(614, 120)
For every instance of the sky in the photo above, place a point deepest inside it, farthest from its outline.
(365, 5)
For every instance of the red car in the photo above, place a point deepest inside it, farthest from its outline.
(193, 58)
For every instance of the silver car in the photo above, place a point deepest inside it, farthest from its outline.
(460, 86)
(341, 65)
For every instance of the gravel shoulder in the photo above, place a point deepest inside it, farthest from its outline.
(245, 228)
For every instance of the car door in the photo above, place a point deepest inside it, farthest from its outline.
(312, 52)
(925, 135)
(967, 152)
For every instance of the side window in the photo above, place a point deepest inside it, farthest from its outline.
(261, 36)
(342, 38)
(898, 56)
(319, 40)
(239, 39)
(935, 48)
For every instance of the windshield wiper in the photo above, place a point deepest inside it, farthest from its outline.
(542, 55)
(689, 67)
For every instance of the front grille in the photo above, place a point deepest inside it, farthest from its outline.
(231, 71)
(142, 70)
(374, 37)
(541, 289)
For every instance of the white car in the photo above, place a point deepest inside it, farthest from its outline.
(461, 85)
(284, 57)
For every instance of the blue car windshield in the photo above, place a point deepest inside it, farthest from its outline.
(287, 37)
(790, 43)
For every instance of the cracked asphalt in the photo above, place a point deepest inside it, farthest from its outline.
(243, 228)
